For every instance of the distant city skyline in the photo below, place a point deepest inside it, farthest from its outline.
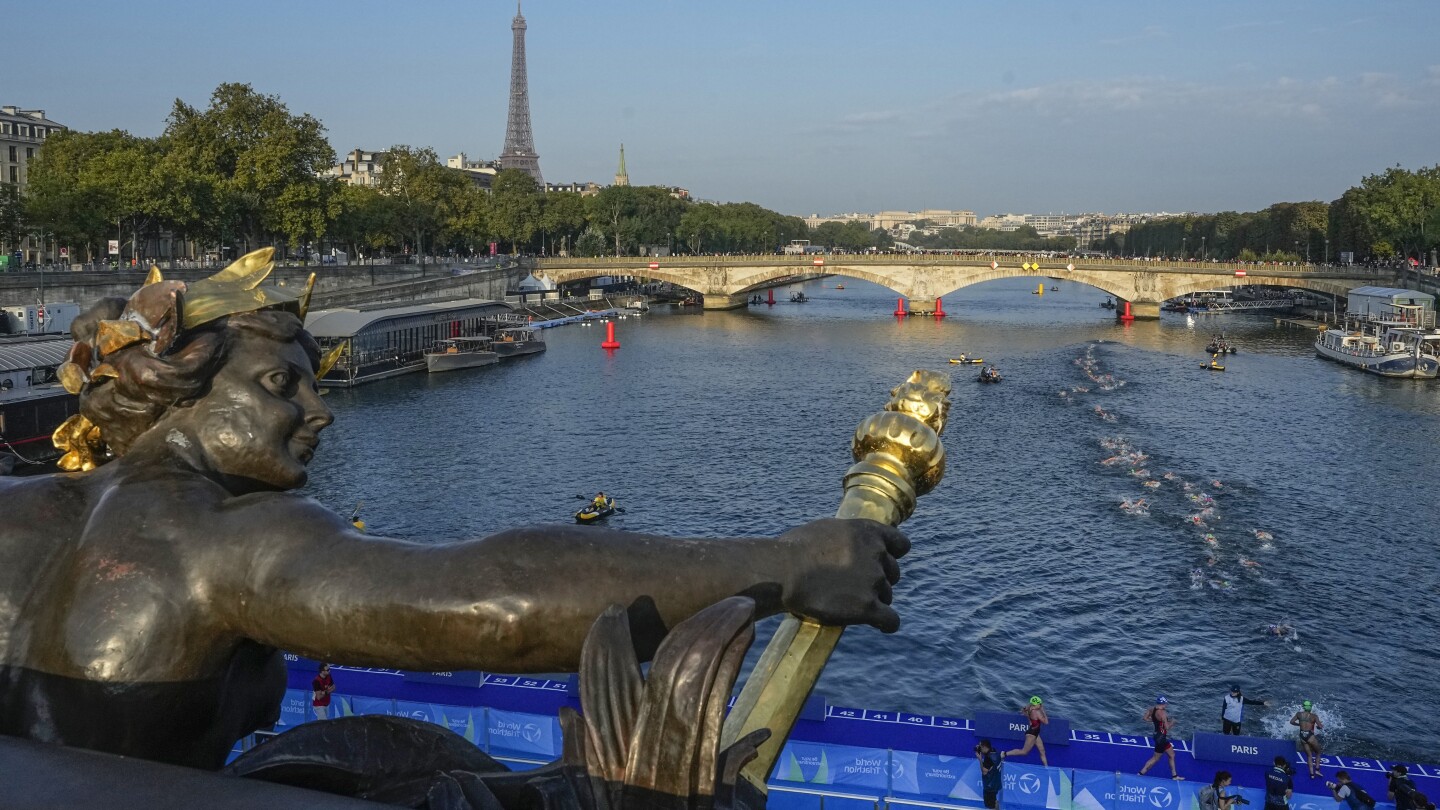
(815, 109)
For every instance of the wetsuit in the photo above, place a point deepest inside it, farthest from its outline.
(1307, 736)
(1162, 733)
(1034, 724)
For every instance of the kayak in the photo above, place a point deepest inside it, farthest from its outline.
(957, 362)
(1212, 367)
(590, 514)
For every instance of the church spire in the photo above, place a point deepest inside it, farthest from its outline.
(622, 177)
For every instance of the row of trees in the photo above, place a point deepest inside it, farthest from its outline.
(1391, 215)
(1023, 238)
(245, 171)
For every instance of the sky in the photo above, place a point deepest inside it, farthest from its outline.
(814, 106)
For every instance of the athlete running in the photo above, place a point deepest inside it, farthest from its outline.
(1035, 713)
(1159, 715)
(1310, 725)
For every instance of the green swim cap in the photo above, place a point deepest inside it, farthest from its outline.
(1035, 701)
(1307, 704)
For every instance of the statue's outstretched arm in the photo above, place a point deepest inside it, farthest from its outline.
(522, 600)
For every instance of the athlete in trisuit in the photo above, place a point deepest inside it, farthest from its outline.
(1310, 725)
(1035, 713)
(1158, 715)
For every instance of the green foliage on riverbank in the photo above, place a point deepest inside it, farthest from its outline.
(1389, 215)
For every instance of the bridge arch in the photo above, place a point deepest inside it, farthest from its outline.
(1320, 285)
(682, 277)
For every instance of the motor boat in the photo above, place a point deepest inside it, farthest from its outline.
(454, 354)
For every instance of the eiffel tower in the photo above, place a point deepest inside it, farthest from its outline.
(519, 152)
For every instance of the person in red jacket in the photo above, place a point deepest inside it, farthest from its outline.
(320, 690)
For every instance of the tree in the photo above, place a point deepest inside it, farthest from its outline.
(562, 216)
(426, 198)
(515, 201)
(258, 158)
(631, 216)
(12, 217)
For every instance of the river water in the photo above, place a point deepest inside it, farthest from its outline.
(1027, 576)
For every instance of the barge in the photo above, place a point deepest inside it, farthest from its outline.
(33, 403)
(380, 342)
(1387, 331)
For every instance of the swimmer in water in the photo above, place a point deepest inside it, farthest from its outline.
(1215, 483)
(1263, 536)
(1249, 563)
(1151, 484)
(1282, 630)
(1211, 539)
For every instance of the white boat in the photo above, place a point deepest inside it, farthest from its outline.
(517, 340)
(461, 352)
(1397, 341)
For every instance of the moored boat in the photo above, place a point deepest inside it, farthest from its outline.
(462, 352)
(1384, 336)
(516, 341)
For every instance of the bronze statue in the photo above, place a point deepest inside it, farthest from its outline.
(144, 596)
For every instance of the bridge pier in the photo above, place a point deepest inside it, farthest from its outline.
(723, 301)
(1141, 310)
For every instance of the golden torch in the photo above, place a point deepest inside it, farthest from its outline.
(898, 457)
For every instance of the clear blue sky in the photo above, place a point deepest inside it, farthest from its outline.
(819, 106)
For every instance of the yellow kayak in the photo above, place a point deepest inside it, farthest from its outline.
(958, 362)
(1212, 367)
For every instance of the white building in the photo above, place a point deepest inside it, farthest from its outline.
(22, 132)
(361, 168)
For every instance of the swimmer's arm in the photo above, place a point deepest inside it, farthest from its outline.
(1295, 721)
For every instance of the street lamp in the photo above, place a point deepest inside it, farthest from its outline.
(1203, 254)
(1327, 250)
(1183, 240)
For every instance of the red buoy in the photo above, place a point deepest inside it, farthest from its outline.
(770, 296)
(610, 341)
(900, 307)
(1127, 317)
(939, 309)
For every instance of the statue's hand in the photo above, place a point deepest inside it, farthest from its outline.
(841, 572)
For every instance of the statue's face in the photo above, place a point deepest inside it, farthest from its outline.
(262, 418)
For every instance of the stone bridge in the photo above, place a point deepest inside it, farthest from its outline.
(726, 281)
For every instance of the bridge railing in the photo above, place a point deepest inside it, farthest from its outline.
(1043, 265)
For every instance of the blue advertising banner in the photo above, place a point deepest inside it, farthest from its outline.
(366, 705)
(295, 709)
(1012, 726)
(820, 764)
(416, 711)
(532, 736)
(1036, 787)
(1094, 790)
(936, 776)
(1231, 748)
(463, 720)
(1148, 793)
(447, 678)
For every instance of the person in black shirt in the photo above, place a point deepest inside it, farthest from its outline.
(1401, 789)
(1278, 785)
(990, 761)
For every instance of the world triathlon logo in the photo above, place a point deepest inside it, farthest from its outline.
(1029, 783)
(531, 732)
(897, 769)
(1161, 797)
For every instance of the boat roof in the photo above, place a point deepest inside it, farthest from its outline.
(23, 355)
(1392, 292)
(349, 321)
(469, 339)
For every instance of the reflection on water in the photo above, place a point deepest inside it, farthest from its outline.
(1027, 576)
